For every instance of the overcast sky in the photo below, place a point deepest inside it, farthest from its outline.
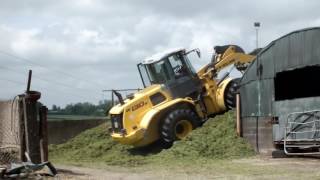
(77, 48)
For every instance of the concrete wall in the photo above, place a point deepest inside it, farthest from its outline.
(63, 130)
(258, 131)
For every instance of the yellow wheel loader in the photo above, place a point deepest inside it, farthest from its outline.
(176, 99)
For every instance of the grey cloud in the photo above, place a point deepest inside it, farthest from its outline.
(100, 42)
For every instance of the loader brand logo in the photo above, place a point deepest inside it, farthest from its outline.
(139, 105)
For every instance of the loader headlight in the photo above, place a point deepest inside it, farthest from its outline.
(116, 122)
(116, 125)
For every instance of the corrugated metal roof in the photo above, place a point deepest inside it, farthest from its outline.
(286, 35)
(294, 50)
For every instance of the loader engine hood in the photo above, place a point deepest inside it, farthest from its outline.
(131, 104)
(126, 118)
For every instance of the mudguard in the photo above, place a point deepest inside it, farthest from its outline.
(151, 120)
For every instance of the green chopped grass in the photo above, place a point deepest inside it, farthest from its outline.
(215, 140)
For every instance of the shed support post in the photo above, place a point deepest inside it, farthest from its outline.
(238, 109)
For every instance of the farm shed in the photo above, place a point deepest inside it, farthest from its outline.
(280, 95)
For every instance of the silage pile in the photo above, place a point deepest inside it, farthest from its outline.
(216, 139)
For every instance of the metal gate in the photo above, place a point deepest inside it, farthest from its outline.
(302, 133)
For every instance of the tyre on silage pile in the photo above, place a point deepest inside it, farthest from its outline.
(217, 139)
(178, 124)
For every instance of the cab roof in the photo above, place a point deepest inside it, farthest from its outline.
(157, 57)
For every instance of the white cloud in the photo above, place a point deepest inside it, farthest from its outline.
(24, 41)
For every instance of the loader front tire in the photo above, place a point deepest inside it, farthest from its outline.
(230, 94)
(178, 124)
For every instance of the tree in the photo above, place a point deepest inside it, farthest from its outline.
(84, 108)
(54, 108)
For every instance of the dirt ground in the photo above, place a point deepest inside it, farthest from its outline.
(251, 168)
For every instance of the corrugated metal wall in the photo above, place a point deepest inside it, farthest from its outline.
(258, 106)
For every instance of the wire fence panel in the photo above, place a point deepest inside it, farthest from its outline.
(10, 148)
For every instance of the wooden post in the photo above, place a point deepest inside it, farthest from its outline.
(32, 126)
(29, 81)
(43, 111)
(239, 131)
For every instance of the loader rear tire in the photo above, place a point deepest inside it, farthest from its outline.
(178, 124)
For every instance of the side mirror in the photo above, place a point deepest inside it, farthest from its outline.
(198, 53)
(196, 50)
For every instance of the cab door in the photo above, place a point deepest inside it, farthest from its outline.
(186, 82)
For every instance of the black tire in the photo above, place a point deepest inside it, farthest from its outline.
(164, 144)
(279, 154)
(169, 127)
(230, 94)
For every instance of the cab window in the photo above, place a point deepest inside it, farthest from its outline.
(178, 67)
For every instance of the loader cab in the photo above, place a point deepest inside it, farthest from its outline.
(173, 70)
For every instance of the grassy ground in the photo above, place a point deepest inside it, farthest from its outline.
(215, 140)
(255, 167)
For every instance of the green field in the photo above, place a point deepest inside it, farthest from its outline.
(52, 117)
